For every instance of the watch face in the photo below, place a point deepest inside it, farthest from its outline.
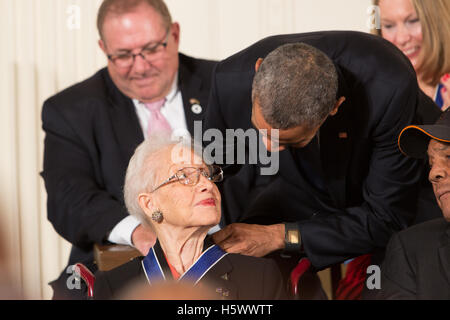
(292, 236)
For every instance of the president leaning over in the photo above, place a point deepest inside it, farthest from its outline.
(339, 100)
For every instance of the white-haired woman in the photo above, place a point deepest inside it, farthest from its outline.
(170, 188)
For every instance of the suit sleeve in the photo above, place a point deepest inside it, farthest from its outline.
(428, 112)
(78, 207)
(389, 190)
(397, 276)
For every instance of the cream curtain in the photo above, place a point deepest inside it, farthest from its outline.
(48, 45)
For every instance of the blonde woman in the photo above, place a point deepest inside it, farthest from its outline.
(421, 30)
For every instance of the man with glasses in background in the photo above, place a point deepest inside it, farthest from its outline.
(93, 127)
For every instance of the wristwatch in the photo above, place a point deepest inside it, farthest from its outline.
(292, 237)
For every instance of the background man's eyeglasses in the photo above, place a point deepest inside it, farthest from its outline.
(150, 53)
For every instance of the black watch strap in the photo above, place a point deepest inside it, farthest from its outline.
(292, 237)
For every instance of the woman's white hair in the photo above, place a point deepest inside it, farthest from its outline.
(142, 171)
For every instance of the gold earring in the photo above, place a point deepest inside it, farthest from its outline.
(157, 216)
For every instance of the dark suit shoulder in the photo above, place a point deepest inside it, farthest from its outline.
(79, 103)
(345, 48)
(201, 67)
(84, 107)
(93, 87)
(413, 268)
(422, 236)
(418, 241)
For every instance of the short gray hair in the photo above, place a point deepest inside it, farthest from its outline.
(142, 171)
(296, 84)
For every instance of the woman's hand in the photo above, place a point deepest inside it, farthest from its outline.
(445, 91)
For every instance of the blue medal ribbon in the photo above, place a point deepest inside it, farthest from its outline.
(439, 99)
(152, 268)
(154, 271)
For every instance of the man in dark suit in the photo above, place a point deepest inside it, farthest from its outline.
(93, 127)
(417, 264)
(339, 100)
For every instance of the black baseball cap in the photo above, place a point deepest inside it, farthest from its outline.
(413, 140)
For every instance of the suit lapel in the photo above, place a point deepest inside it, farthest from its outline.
(335, 151)
(127, 129)
(194, 98)
(335, 145)
(444, 253)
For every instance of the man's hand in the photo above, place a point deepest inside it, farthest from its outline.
(250, 239)
(143, 239)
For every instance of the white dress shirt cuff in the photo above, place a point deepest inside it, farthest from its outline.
(121, 234)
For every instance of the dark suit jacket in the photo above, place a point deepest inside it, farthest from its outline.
(417, 263)
(248, 278)
(370, 185)
(92, 131)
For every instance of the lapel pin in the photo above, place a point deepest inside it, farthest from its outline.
(195, 106)
(343, 135)
(225, 277)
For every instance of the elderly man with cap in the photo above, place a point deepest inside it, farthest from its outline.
(417, 263)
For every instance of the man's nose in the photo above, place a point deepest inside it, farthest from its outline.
(140, 65)
(437, 173)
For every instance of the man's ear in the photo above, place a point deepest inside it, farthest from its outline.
(102, 46)
(176, 32)
(339, 102)
(258, 63)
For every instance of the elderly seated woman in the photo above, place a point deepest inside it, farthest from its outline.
(176, 196)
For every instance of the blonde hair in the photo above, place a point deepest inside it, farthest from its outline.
(435, 53)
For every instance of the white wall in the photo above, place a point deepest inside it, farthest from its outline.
(45, 50)
(218, 28)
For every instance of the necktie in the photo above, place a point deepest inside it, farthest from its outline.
(157, 124)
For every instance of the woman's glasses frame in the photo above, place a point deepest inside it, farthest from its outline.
(190, 176)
